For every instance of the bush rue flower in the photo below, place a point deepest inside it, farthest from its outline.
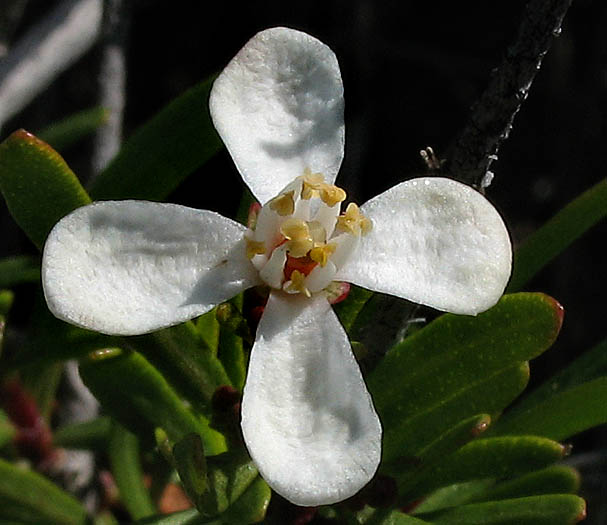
(133, 267)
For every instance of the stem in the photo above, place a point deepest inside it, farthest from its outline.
(492, 116)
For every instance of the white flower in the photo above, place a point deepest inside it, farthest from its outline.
(132, 267)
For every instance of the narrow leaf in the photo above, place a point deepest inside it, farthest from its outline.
(407, 474)
(26, 496)
(557, 234)
(562, 415)
(18, 270)
(6, 302)
(452, 355)
(489, 458)
(403, 440)
(349, 310)
(123, 453)
(590, 365)
(555, 509)
(37, 184)
(251, 506)
(163, 152)
(229, 476)
(41, 380)
(52, 340)
(182, 356)
(392, 517)
(231, 348)
(91, 435)
(188, 455)
(139, 397)
(73, 128)
(453, 495)
(7, 429)
(185, 517)
(455, 350)
(557, 479)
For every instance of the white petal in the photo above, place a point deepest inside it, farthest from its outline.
(278, 106)
(434, 241)
(307, 418)
(273, 271)
(320, 277)
(130, 267)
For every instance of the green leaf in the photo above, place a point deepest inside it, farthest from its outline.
(251, 507)
(6, 302)
(188, 455)
(51, 340)
(451, 369)
(37, 184)
(557, 234)
(453, 495)
(123, 453)
(407, 473)
(557, 479)
(554, 509)
(231, 348)
(138, 396)
(73, 128)
(489, 458)
(185, 517)
(207, 327)
(590, 365)
(163, 152)
(26, 496)
(562, 415)
(229, 476)
(404, 440)
(182, 356)
(91, 435)
(391, 517)
(7, 429)
(349, 309)
(18, 270)
(41, 380)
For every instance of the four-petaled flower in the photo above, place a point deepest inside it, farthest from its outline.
(133, 267)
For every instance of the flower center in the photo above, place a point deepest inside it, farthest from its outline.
(299, 240)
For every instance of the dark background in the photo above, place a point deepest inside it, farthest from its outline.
(411, 71)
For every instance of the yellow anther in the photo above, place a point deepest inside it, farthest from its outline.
(298, 234)
(317, 232)
(365, 225)
(312, 183)
(296, 284)
(353, 221)
(321, 253)
(255, 248)
(283, 204)
(331, 195)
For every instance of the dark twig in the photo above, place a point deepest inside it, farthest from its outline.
(492, 115)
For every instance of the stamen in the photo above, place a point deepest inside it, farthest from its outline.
(317, 232)
(312, 183)
(254, 210)
(296, 284)
(331, 195)
(321, 253)
(283, 204)
(298, 234)
(255, 248)
(353, 221)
